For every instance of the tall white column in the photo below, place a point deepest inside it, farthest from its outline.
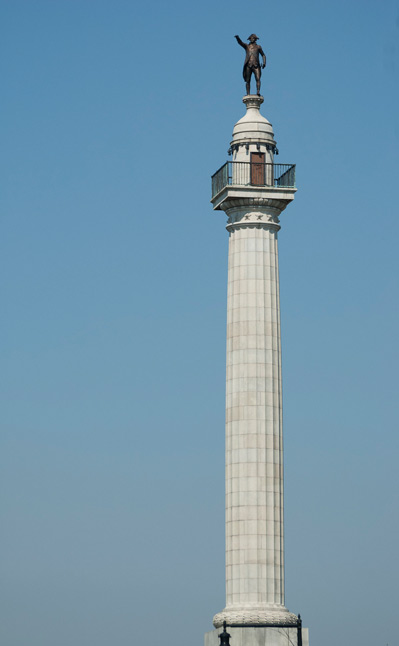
(254, 441)
(254, 457)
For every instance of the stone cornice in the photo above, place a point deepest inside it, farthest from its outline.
(249, 202)
(278, 198)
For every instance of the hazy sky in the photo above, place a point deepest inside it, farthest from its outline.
(113, 117)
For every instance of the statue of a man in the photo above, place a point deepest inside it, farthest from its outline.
(252, 64)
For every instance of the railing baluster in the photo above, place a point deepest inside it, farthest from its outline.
(239, 174)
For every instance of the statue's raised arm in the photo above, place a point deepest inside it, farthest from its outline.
(252, 63)
(239, 41)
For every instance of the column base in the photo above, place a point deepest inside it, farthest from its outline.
(255, 616)
(259, 636)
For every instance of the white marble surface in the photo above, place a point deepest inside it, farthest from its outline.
(254, 456)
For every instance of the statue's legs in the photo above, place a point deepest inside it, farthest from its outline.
(257, 73)
(247, 78)
(248, 71)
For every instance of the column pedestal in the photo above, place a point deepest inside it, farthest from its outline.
(259, 636)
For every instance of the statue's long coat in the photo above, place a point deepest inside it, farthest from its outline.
(248, 55)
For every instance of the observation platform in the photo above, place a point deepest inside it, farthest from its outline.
(242, 180)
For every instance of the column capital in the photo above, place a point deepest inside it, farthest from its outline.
(254, 215)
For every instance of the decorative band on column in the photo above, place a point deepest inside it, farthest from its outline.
(255, 617)
(261, 217)
(251, 224)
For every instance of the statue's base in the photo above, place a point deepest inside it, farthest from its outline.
(260, 636)
(253, 99)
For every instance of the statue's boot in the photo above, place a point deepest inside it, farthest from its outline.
(248, 88)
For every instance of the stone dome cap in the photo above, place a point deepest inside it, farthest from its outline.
(253, 127)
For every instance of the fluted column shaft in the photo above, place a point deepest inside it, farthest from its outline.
(254, 452)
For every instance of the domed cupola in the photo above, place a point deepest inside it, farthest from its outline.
(253, 135)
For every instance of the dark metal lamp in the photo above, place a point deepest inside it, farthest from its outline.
(224, 636)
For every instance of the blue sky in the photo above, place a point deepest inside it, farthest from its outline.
(114, 267)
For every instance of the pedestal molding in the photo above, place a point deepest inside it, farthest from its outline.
(254, 617)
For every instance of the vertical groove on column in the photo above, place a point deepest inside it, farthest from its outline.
(229, 390)
(258, 497)
(277, 282)
(276, 427)
(272, 581)
(261, 369)
(278, 413)
(270, 463)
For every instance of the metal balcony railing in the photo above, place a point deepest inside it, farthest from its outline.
(253, 174)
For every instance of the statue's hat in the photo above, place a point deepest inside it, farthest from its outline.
(253, 36)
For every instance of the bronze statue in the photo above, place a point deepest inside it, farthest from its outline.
(252, 64)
